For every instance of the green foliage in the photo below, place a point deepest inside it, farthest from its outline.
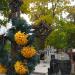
(71, 40)
(63, 35)
(24, 8)
(50, 17)
(47, 18)
(43, 12)
(4, 11)
(3, 52)
(57, 38)
(3, 22)
(37, 43)
(71, 35)
(39, 8)
(4, 7)
(21, 25)
(70, 9)
(7, 46)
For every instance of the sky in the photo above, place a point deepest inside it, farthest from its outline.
(72, 2)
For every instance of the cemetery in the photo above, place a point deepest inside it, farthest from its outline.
(37, 37)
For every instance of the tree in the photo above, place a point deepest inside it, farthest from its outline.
(71, 17)
(41, 32)
(58, 39)
(44, 17)
(63, 36)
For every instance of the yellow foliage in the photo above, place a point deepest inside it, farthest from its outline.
(3, 70)
(71, 9)
(28, 52)
(47, 18)
(20, 68)
(25, 8)
(59, 10)
(21, 38)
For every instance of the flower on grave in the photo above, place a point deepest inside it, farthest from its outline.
(28, 52)
(3, 69)
(20, 68)
(21, 38)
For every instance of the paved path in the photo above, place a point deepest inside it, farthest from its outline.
(41, 69)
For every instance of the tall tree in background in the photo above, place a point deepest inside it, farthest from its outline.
(45, 17)
(40, 25)
(63, 36)
(71, 17)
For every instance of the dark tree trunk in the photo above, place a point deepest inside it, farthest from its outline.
(42, 31)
